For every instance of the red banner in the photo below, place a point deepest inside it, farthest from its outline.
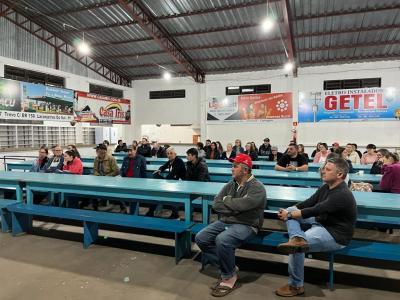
(265, 106)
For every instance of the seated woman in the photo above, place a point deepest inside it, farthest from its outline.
(275, 155)
(40, 164)
(73, 148)
(391, 173)
(237, 149)
(370, 156)
(250, 151)
(322, 154)
(200, 149)
(212, 152)
(377, 166)
(315, 151)
(301, 151)
(228, 153)
(72, 163)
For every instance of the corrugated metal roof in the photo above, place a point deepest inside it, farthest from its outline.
(323, 31)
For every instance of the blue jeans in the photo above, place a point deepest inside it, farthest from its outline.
(318, 239)
(219, 240)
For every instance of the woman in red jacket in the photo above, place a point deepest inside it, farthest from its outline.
(72, 163)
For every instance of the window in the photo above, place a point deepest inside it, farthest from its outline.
(352, 83)
(20, 74)
(105, 91)
(248, 89)
(167, 94)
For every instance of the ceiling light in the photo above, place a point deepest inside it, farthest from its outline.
(288, 66)
(268, 24)
(83, 48)
(167, 75)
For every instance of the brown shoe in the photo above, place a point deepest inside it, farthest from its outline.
(290, 291)
(294, 245)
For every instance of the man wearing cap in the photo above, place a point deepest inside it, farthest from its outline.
(240, 206)
(265, 148)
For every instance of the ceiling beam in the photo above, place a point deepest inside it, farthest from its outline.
(23, 22)
(138, 12)
(350, 46)
(351, 59)
(347, 12)
(291, 51)
(74, 10)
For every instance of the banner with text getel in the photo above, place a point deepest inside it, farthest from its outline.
(350, 105)
(250, 108)
(98, 109)
(30, 101)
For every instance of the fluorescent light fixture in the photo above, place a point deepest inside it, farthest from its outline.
(268, 24)
(233, 87)
(288, 66)
(83, 48)
(167, 75)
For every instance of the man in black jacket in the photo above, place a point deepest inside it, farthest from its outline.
(265, 148)
(121, 147)
(176, 170)
(196, 168)
(144, 149)
(158, 151)
(323, 223)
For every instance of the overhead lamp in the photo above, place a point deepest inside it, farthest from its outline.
(84, 48)
(288, 66)
(268, 24)
(167, 75)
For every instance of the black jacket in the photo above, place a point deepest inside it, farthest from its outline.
(264, 150)
(144, 150)
(278, 156)
(223, 156)
(252, 154)
(160, 153)
(122, 148)
(177, 169)
(197, 171)
(376, 168)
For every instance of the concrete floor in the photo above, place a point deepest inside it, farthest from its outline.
(52, 264)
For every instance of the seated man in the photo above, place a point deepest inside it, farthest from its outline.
(121, 147)
(104, 165)
(176, 170)
(292, 160)
(144, 149)
(328, 218)
(196, 167)
(56, 162)
(134, 166)
(158, 151)
(240, 205)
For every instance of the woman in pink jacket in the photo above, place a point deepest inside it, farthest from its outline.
(322, 154)
(391, 173)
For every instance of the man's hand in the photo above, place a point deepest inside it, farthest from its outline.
(282, 214)
(157, 172)
(291, 168)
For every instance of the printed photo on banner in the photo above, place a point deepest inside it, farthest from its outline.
(350, 105)
(30, 101)
(250, 108)
(98, 109)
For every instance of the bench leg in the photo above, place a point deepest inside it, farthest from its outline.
(331, 260)
(134, 208)
(182, 245)
(90, 233)
(5, 220)
(20, 223)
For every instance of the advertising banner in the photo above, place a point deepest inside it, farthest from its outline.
(250, 108)
(99, 109)
(29, 101)
(349, 105)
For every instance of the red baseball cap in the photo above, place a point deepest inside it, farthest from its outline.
(242, 159)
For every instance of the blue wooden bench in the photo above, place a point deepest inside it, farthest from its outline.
(22, 222)
(356, 248)
(5, 214)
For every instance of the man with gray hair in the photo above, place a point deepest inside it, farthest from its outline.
(323, 223)
(240, 205)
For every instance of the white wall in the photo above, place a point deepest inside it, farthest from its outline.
(193, 108)
(73, 82)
